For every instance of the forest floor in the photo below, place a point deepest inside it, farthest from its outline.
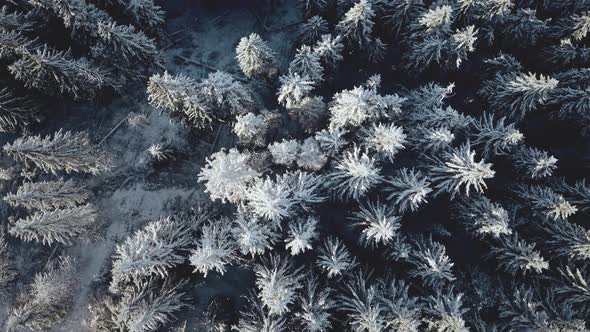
(128, 198)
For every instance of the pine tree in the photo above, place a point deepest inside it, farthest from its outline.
(316, 304)
(376, 51)
(255, 58)
(311, 30)
(517, 95)
(16, 112)
(68, 152)
(45, 195)
(361, 303)
(226, 175)
(13, 43)
(215, 249)
(334, 258)
(55, 226)
(430, 263)
(357, 24)
(306, 63)
(378, 222)
(301, 235)
(437, 19)
(355, 174)
(56, 72)
(514, 256)
(277, 281)
(408, 190)
(152, 250)
(495, 138)
(459, 168)
(574, 287)
(534, 163)
(431, 139)
(310, 114)
(48, 298)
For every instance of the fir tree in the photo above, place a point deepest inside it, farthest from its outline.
(355, 174)
(522, 311)
(215, 249)
(316, 304)
(294, 88)
(361, 303)
(253, 236)
(152, 251)
(459, 168)
(399, 13)
(311, 30)
(254, 56)
(312, 7)
(16, 112)
(357, 24)
(48, 298)
(516, 256)
(386, 140)
(430, 263)
(334, 258)
(310, 113)
(310, 155)
(331, 141)
(546, 202)
(169, 92)
(226, 175)
(225, 95)
(534, 163)
(8, 271)
(62, 151)
(144, 13)
(517, 95)
(495, 138)
(55, 226)
(143, 306)
(378, 222)
(400, 310)
(483, 218)
(446, 312)
(301, 235)
(257, 318)
(330, 50)
(285, 152)
(252, 129)
(567, 240)
(124, 42)
(277, 281)
(306, 63)
(352, 108)
(55, 72)
(45, 195)
(408, 189)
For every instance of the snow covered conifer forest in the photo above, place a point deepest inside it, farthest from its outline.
(295, 165)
